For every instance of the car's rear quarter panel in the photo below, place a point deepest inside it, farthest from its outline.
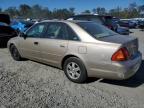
(99, 57)
(95, 56)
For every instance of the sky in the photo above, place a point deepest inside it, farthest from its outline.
(79, 5)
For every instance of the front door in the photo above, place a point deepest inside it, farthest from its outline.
(30, 46)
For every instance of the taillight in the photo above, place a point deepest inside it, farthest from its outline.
(121, 55)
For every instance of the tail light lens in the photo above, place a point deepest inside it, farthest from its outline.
(121, 55)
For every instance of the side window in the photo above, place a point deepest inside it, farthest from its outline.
(36, 31)
(56, 31)
(72, 35)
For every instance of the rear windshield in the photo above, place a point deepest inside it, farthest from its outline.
(96, 30)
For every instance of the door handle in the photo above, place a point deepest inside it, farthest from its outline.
(62, 46)
(36, 43)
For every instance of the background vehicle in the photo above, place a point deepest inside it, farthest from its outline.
(21, 25)
(119, 29)
(102, 19)
(6, 32)
(81, 48)
(141, 24)
(127, 23)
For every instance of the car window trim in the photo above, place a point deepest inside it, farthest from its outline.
(74, 33)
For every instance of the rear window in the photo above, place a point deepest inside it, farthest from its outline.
(96, 30)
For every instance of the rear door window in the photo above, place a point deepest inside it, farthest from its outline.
(56, 31)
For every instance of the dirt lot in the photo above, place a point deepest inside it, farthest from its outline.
(29, 84)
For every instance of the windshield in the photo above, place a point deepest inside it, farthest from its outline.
(96, 30)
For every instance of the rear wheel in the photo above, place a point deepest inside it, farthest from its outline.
(75, 70)
(14, 53)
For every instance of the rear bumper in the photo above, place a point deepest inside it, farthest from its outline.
(130, 67)
(118, 70)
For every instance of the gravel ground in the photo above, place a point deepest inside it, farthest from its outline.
(29, 84)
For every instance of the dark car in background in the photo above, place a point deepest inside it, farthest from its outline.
(102, 19)
(6, 32)
(123, 23)
(141, 24)
(127, 23)
(119, 29)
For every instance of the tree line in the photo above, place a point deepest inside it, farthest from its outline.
(37, 11)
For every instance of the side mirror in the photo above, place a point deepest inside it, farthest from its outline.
(23, 35)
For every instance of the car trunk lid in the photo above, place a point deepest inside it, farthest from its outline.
(128, 42)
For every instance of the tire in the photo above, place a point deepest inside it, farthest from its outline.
(75, 70)
(14, 53)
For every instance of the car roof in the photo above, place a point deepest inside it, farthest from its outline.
(91, 15)
(66, 21)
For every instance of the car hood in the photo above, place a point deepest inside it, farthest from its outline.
(4, 18)
(120, 39)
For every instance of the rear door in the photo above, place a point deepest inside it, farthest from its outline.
(55, 44)
(30, 46)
